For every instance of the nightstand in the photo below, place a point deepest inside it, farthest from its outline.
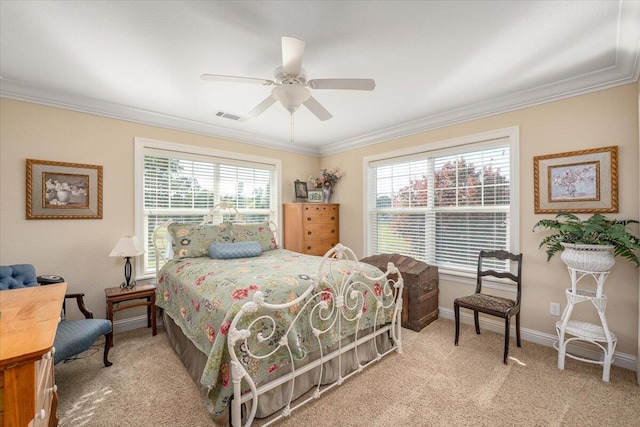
(116, 295)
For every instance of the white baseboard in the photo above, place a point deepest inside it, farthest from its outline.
(130, 323)
(622, 360)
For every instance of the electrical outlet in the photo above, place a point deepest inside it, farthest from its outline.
(554, 309)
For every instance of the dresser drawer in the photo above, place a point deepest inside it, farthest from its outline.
(319, 221)
(44, 390)
(320, 230)
(321, 213)
(318, 246)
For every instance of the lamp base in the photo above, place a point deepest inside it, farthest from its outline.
(131, 285)
(128, 283)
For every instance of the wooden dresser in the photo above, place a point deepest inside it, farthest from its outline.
(311, 228)
(28, 321)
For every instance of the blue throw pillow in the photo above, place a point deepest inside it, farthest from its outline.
(17, 276)
(234, 250)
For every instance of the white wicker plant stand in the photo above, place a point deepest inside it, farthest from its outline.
(576, 330)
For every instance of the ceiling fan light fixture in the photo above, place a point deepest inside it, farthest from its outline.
(291, 96)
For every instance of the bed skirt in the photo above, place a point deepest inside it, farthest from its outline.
(272, 401)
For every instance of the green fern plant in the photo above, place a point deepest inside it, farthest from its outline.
(596, 230)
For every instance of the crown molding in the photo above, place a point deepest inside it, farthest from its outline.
(576, 86)
(529, 98)
(21, 92)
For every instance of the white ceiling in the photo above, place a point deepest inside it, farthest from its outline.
(434, 63)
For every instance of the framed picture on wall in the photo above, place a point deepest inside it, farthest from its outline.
(58, 190)
(578, 181)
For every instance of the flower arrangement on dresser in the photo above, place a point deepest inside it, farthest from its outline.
(326, 181)
(328, 178)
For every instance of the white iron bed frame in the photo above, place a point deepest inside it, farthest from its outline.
(333, 296)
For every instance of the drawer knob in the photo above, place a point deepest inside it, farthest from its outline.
(308, 247)
(333, 231)
(308, 218)
(333, 218)
(309, 233)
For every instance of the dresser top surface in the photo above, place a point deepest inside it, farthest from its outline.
(28, 321)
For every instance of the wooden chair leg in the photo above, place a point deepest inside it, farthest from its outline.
(108, 342)
(477, 321)
(456, 312)
(518, 329)
(506, 339)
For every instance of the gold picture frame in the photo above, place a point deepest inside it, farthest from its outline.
(59, 190)
(584, 181)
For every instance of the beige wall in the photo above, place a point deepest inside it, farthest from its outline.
(638, 353)
(604, 118)
(78, 250)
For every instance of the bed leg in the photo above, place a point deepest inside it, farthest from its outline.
(236, 412)
(236, 406)
(231, 416)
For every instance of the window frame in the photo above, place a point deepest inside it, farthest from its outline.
(143, 144)
(512, 137)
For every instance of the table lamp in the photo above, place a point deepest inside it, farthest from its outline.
(127, 247)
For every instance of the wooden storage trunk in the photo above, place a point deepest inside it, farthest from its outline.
(420, 296)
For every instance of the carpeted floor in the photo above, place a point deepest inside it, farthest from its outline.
(433, 383)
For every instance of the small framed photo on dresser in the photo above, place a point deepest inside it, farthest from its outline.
(300, 188)
(314, 196)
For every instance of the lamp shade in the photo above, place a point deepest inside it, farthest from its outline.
(127, 246)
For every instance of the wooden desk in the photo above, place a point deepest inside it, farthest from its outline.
(28, 321)
(117, 295)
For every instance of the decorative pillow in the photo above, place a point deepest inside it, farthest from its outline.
(17, 276)
(193, 240)
(234, 250)
(260, 232)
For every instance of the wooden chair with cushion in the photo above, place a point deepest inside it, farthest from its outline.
(72, 336)
(492, 264)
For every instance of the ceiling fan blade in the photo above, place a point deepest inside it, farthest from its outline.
(235, 79)
(314, 106)
(260, 108)
(292, 51)
(349, 84)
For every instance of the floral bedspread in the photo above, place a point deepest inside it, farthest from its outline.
(202, 295)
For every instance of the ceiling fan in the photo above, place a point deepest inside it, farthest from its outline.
(291, 84)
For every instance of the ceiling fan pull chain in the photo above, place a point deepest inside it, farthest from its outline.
(292, 128)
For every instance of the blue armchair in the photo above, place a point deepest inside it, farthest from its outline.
(72, 336)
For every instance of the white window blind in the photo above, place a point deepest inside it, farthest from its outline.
(442, 206)
(183, 186)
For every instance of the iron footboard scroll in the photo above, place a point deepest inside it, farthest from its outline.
(330, 314)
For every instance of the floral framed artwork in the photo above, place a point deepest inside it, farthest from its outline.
(58, 190)
(315, 196)
(583, 181)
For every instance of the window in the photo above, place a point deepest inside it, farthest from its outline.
(183, 183)
(443, 202)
